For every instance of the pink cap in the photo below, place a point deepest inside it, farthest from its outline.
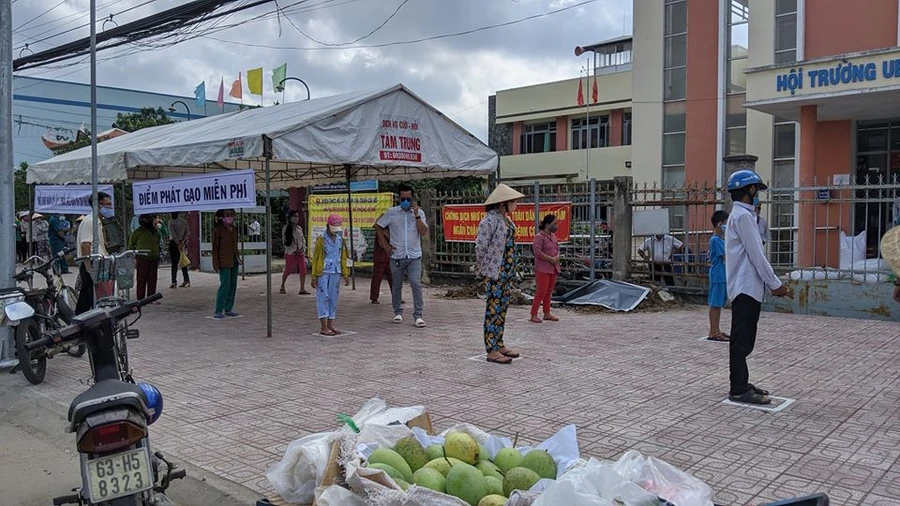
(334, 220)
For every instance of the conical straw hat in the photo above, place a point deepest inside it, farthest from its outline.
(502, 194)
(890, 248)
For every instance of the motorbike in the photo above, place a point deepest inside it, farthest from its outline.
(111, 420)
(52, 308)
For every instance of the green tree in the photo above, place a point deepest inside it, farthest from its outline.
(145, 118)
(21, 188)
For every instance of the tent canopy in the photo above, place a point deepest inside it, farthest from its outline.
(385, 134)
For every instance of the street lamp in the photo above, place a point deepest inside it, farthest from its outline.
(281, 86)
(186, 108)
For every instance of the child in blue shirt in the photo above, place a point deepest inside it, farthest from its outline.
(717, 284)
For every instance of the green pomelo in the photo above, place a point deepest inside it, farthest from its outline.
(519, 478)
(461, 446)
(492, 500)
(495, 485)
(508, 458)
(393, 473)
(403, 485)
(441, 465)
(488, 468)
(483, 453)
(412, 452)
(540, 462)
(431, 478)
(434, 452)
(467, 483)
(393, 459)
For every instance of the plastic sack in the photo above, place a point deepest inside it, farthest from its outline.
(301, 469)
(663, 479)
(595, 484)
(853, 249)
(338, 496)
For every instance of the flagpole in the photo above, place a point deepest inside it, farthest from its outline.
(587, 105)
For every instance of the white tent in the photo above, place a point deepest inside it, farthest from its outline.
(385, 134)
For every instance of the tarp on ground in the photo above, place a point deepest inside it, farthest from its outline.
(615, 295)
(383, 134)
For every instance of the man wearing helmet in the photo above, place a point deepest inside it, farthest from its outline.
(749, 274)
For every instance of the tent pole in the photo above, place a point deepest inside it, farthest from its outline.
(352, 250)
(267, 148)
(241, 232)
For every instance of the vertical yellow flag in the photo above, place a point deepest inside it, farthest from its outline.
(255, 81)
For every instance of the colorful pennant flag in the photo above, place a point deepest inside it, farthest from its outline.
(237, 88)
(595, 93)
(278, 76)
(580, 97)
(254, 81)
(200, 94)
(221, 99)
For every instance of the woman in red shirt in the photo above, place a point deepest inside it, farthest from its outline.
(546, 267)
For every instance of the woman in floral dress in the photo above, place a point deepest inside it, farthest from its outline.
(495, 260)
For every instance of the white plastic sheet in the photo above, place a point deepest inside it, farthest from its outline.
(595, 484)
(663, 479)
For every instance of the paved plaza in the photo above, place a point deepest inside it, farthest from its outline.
(234, 399)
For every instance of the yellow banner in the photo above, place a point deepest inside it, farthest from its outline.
(367, 207)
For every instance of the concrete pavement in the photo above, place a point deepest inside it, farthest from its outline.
(235, 399)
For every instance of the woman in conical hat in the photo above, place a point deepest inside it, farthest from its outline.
(495, 260)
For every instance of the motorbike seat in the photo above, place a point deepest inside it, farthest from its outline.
(102, 394)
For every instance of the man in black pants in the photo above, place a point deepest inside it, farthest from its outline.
(748, 274)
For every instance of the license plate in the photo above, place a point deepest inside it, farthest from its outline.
(119, 475)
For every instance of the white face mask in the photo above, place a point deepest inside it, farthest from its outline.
(335, 230)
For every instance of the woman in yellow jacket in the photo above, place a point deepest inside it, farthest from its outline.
(329, 264)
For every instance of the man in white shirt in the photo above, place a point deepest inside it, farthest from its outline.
(85, 242)
(406, 226)
(748, 274)
(661, 248)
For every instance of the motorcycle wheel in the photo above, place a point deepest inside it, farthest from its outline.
(33, 364)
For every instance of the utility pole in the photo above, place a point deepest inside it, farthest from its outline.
(95, 246)
(7, 180)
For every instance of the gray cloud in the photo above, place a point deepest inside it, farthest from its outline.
(455, 74)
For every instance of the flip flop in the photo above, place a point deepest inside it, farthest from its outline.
(336, 332)
(535, 319)
(721, 339)
(303, 292)
(327, 333)
(505, 360)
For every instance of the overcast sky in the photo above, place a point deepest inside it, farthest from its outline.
(455, 74)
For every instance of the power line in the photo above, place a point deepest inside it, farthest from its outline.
(35, 40)
(15, 30)
(412, 41)
(340, 44)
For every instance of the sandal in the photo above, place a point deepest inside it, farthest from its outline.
(327, 333)
(303, 292)
(535, 319)
(551, 318)
(721, 338)
(510, 353)
(760, 391)
(503, 360)
(335, 332)
(750, 397)
(282, 290)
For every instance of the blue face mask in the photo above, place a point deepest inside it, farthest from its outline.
(405, 204)
(723, 227)
(107, 212)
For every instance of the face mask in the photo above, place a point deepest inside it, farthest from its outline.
(553, 227)
(405, 204)
(334, 230)
(107, 212)
(723, 227)
(228, 220)
(295, 219)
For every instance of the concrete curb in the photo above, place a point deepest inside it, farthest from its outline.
(47, 420)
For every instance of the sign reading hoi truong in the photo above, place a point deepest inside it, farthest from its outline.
(220, 190)
(66, 199)
(461, 221)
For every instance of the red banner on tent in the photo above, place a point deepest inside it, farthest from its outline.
(461, 221)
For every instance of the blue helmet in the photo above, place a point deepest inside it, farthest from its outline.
(154, 400)
(744, 178)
